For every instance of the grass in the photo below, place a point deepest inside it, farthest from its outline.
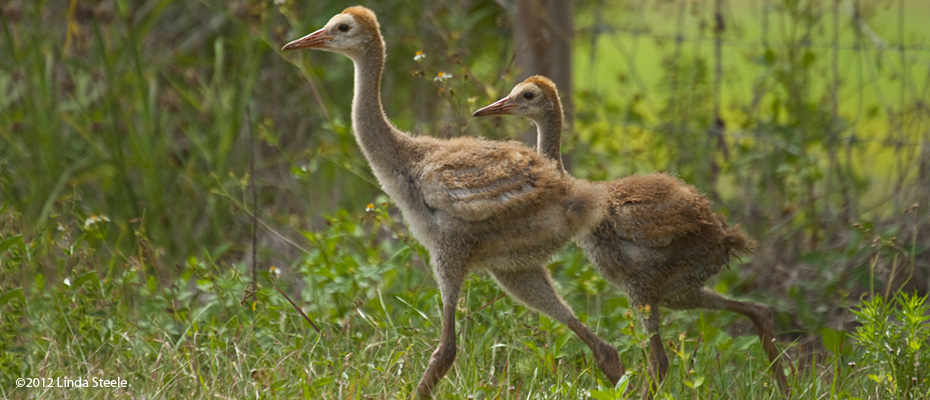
(124, 232)
(774, 53)
(195, 337)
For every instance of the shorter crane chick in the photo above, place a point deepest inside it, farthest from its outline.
(659, 240)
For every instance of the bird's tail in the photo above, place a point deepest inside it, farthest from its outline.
(735, 240)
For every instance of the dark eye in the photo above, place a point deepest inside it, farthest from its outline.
(343, 27)
(528, 95)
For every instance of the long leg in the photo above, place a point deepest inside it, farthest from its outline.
(658, 360)
(760, 315)
(450, 276)
(534, 288)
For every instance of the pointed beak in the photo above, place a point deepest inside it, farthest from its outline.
(502, 106)
(314, 40)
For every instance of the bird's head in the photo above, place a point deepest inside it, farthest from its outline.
(352, 32)
(533, 98)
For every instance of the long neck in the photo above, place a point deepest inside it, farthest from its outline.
(549, 136)
(380, 141)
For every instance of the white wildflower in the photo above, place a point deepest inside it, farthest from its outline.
(93, 219)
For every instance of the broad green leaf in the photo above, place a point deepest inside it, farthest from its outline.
(601, 395)
(86, 277)
(15, 240)
(833, 340)
(12, 294)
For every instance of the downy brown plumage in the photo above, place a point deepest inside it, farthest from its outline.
(472, 203)
(659, 240)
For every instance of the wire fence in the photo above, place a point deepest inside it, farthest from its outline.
(814, 113)
(865, 81)
(804, 119)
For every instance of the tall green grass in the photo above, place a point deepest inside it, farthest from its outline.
(119, 116)
(125, 217)
(196, 338)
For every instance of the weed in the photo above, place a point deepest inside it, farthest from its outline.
(895, 336)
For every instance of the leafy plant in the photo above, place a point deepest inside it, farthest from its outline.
(895, 337)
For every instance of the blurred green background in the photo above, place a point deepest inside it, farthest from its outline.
(125, 133)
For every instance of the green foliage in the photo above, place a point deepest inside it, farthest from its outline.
(365, 283)
(895, 335)
(138, 112)
(124, 145)
(193, 336)
(130, 128)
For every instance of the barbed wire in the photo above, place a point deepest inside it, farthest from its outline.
(754, 44)
(901, 105)
(739, 134)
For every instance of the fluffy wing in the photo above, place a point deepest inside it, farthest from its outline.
(474, 180)
(656, 209)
